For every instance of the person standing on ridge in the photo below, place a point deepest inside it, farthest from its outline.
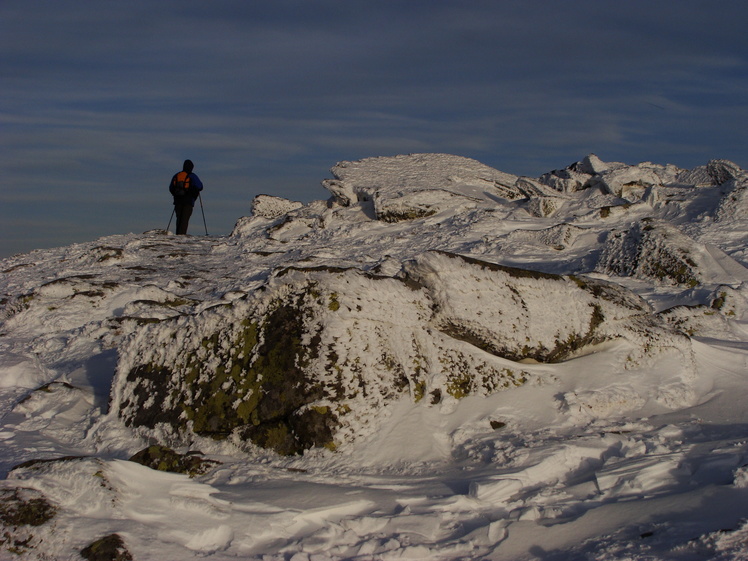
(185, 186)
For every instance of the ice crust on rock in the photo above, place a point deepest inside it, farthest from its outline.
(418, 185)
(268, 206)
(659, 251)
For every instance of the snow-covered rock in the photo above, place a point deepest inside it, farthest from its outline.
(657, 250)
(272, 207)
(734, 205)
(722, 171)
(318, 350)
(418, 185)
(577, 176)
(632, 182)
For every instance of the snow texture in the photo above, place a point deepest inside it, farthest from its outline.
(487, 367)
(271, 207)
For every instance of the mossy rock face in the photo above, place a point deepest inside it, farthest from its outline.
(292, 434)
(257, 389)
(150, 392)
(108, 548)
(315, 353)
(653, 250)
(265, 389)
(24, 507)
(162, 458)
(413, 213)
(22, 510)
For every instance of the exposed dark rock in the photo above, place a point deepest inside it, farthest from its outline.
(108, 548)
(162, 458)
(22, 510)
(259, 386)
(412, 213)
(31, 464)
(149, 391)
(722, 171)
(24, 507)
(651, 249)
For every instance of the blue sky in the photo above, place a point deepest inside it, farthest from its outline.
(102, 100)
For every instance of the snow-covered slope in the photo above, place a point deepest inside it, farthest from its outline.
(461, 363)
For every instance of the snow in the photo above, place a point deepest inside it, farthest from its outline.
(633, 447)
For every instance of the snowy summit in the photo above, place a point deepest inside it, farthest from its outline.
(441, 361)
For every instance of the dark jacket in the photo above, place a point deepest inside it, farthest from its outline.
(195, 186)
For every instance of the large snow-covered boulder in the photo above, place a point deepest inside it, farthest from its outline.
(309, 359)
(656, 250)
(524, 314)
(632, 182)
(418, 185)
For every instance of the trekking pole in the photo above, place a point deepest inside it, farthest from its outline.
(203, 210)
(170, 219)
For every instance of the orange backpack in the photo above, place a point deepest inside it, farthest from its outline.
(181, 184)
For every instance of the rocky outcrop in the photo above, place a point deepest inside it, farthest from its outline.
(722, 171)
(629, 183)
(162, 458)
(734, 204)
(653, 249)
(289, 367)
(108, 548)
(418, 185)
(575, 177)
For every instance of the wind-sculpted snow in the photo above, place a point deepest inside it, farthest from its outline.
(442, 361)
(314, 352)
(522, 314)
(273, 207)
(418, 185)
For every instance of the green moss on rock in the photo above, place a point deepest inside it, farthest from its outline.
(392, 216)
(24, 507)
(162, 458)
(108, 548)
(419, 391)
(258, 389)
(460, 384)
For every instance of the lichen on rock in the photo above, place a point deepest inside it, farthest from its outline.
(317, 351)
(21, 510)
(108, 548)
(162, 458)
(653, 249)
(245, 379)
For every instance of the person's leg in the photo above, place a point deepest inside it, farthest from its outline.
(178, 214)
(183, 218)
